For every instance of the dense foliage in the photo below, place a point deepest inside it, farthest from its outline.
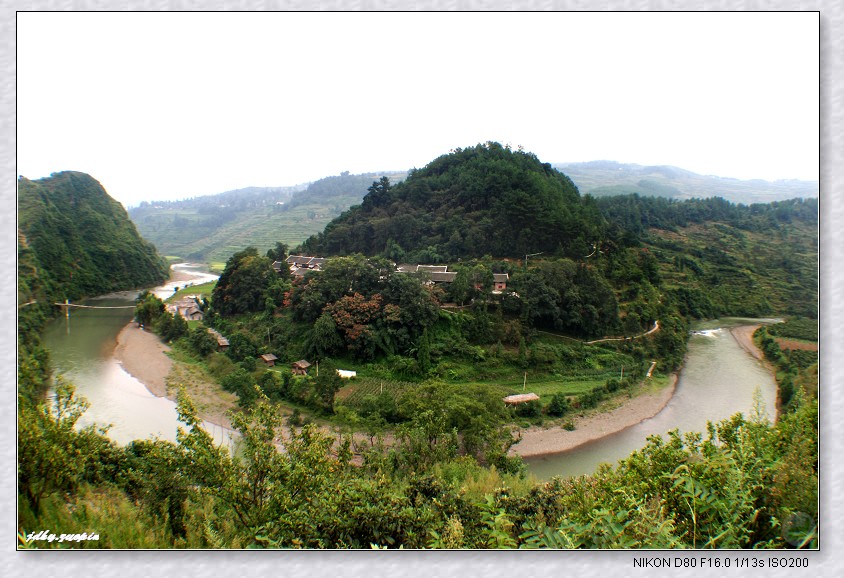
(243, 284)
(744, 484)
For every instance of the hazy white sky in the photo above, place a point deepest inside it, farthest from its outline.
(172, 105)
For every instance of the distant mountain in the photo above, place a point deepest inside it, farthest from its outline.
(74, 240)
(482, 200)
(606, 178)
(211, 228)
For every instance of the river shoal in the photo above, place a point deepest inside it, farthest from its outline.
(744, 336)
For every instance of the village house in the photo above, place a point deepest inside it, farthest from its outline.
(301, 264)
(269, 359)
(499, 282)
(187, 308)
(441, 274)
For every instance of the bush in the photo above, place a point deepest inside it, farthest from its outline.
(559, 405)
(529, 409)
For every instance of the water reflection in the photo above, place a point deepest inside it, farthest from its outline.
(81, 349)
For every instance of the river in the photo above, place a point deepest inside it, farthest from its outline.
(81, 349)
(718, 380)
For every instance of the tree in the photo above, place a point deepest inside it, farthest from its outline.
(52, 454)
(326, 384)
(559, 405)
(379, 193)
(241, 286)
(271, 494)
(202, 342)
(423, 352)
(354, 315)
(460, 290)
(324, 337)
(278, 253)
(148, 308)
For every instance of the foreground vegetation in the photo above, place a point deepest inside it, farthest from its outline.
(744, 483)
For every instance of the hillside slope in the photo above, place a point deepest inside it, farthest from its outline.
(212, 228)
(78, 241)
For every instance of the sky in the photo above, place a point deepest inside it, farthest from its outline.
(164, 106)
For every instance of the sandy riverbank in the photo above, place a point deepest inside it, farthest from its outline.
(744, 336)
(536, 441)
(143, 356)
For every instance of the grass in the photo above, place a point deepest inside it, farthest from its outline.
(203, 290)
(104, 511)
(211, 400)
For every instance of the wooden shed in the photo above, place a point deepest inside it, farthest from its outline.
(269, 359)
(520, 398)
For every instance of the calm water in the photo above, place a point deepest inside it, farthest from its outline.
(81, 348)
(718, 380)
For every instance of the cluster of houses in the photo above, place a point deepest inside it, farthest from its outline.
(441, 274)
(301, 264)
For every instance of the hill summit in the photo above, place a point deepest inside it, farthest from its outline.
(482, 200)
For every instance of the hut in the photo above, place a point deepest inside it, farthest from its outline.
(300, 367)
(269, 359)
(520, 398)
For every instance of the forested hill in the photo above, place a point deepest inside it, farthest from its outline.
(74, 241)
(482, 200)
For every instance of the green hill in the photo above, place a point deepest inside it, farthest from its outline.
(718, 258)
(73, 241)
